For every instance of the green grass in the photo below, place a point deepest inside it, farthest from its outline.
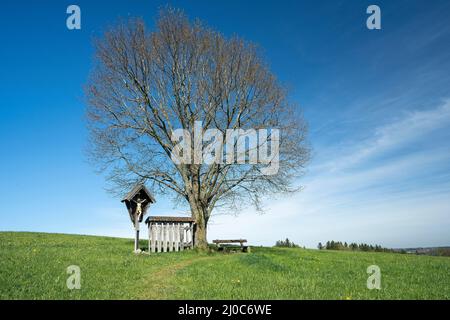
(33, 266)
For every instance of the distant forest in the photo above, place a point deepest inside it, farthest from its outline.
(339, 245)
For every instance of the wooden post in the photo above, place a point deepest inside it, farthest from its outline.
(136, 241)
(136, 238)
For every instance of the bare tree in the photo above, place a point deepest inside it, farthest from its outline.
(146, 84)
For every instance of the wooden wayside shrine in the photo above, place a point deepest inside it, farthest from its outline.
(166, 234)
(137, 202)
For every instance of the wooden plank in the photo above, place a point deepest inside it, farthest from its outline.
(170, 237)
(192, 235)
(169, 219)
(153, 237)
(176, 234)
(191, 228)
(164, 239)
(181, 237)
(159, 237)
(174, 237)
(188, 237)
(230, 241)
(149, 236)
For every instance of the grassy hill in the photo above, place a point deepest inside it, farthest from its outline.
(33, 266)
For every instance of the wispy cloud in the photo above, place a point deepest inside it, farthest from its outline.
(414, 125)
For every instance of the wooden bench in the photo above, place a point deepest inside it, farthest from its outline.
(219, 244)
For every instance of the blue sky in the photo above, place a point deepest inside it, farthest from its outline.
(377, 103)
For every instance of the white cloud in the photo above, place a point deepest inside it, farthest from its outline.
(388, 137)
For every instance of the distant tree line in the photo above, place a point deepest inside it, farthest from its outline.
(443, 252)
(338, 245)
(286, 244)
(436, 251)
(353, 246)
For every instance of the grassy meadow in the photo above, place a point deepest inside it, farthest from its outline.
(33, 266)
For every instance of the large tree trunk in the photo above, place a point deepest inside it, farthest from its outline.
(200, 239)
(199, 210)
(201, 216)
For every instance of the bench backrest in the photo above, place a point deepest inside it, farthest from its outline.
(230, 241)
